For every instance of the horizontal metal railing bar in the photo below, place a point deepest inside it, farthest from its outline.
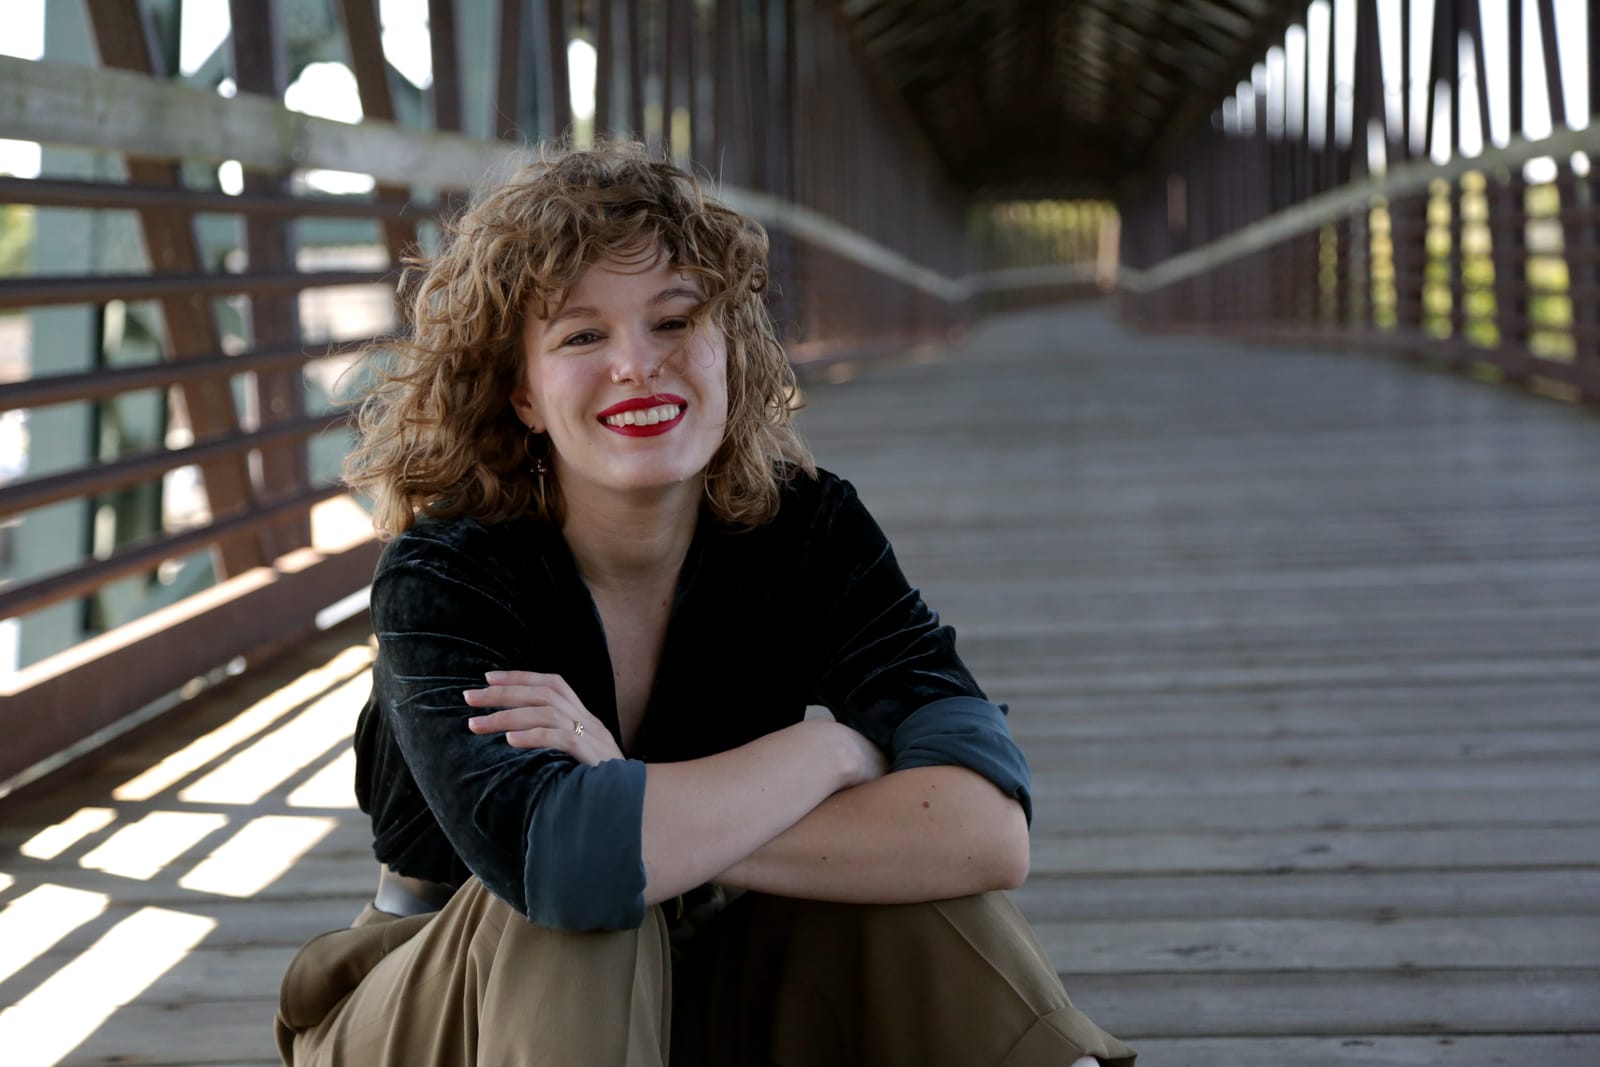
(119, 111)
(96, 288)
(61, 103)
(64, 192)
(144, 466)
(87, 577)
(1339, 204)
(52, 704)
(109, 381)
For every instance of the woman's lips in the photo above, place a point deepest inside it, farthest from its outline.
(644, 416)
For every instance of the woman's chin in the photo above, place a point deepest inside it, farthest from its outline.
(646, 482)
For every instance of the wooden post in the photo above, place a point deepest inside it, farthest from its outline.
(124, 41)
(1447, 64)
(360, 18)
(677, 80)
(1507, 214)
(446, 92)
(508, 71)
(556, 80)
(605, 67)
(269, 246)
(1552, 60)
(1586, 313)
(635, 52)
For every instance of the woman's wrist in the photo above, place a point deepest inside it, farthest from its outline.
(863, 761)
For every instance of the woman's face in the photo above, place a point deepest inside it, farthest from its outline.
(632, 400)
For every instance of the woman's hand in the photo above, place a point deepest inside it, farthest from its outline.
(867, 758)
(540, 711)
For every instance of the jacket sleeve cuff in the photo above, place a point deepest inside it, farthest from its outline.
(585, 869)
(964, 731)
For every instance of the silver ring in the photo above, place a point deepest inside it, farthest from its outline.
(577, 727)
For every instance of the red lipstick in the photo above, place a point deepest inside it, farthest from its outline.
(644, 403)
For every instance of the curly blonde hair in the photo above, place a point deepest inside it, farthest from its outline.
(437, 434)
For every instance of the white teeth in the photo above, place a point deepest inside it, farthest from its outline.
(645, 416)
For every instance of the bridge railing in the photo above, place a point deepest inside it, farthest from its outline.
(870, 253)
(1480, 251)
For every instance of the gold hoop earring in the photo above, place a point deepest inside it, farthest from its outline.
(538, 462)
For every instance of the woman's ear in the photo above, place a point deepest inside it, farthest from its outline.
(527, 412)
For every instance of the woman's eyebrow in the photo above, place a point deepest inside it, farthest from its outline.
(572, 312)
(575, 311)
(675, 294)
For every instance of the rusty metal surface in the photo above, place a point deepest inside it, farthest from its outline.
(1392, 273)
(48, 708)
(269, 247)
(95, 384)
(98, 288)
(67, 192)
(32, 595)
(362, 33)
(125, 42)
(143, 466)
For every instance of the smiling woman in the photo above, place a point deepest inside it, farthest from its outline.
(607, 831)
(596, 370)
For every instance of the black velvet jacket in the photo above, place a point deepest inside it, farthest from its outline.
(810, 608)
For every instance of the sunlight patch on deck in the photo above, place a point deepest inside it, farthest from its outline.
(56, 1017)
(39, 918)
(331, 787)
(267, 764)
(257, 855)
(247, 724)
(143, 849)
(52, 841)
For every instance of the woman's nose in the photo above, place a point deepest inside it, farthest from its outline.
(637, 358)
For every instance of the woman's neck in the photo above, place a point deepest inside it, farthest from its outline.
(625, 541)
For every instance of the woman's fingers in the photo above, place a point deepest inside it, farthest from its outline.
(536, 710)
(567, 740)
(505, 696)
(506, 720)
(585, 746)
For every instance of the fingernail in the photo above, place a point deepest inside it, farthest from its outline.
(493, 677)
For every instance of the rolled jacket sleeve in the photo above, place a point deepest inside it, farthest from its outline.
(557, 840)
(886, 666)
(964, 732)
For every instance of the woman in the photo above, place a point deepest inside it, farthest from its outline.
(608, 833)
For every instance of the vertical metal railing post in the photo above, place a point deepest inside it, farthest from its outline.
(508, 73)
(124, 41)
(258, 58)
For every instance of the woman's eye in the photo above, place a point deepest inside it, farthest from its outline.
(674, 324)
(583, 337)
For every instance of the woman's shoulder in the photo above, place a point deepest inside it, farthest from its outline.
(459, 542)
(817, 512)
(804, 493)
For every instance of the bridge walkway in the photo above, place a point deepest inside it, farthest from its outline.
(1304, 648)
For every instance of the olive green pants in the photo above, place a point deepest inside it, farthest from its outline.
(769, 982)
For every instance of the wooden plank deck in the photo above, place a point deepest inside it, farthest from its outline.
(1305, 650)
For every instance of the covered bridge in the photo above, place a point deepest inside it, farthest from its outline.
(1224, 370)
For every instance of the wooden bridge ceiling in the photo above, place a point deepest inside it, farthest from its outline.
(1063, 97)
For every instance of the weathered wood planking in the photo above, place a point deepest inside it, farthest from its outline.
(1303, 648)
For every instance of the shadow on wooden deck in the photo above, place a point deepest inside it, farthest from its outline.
(1304, 648)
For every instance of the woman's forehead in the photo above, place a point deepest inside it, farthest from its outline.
(656, 279)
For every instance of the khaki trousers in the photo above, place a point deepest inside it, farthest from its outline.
(770, 982)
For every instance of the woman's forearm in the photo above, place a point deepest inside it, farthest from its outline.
(703, 815)
(927, 833)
